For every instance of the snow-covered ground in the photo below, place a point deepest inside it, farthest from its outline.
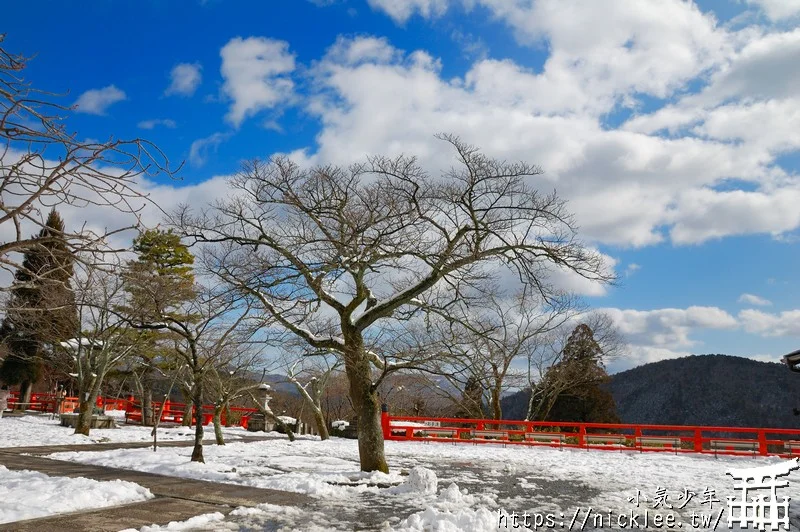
(439, 486)
(29, 494)
(36, 430)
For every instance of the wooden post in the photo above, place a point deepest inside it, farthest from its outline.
(762, 443)
(386, 422)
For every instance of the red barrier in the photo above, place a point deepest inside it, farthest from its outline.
(734, 441)
(172, 413)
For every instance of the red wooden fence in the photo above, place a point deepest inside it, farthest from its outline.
(742, 441)
(172, 412)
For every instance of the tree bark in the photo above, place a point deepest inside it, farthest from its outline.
(228, 422)
(319, 419)
(187, 410)
(86, 409)
(197, 452)
(25, 389)
(497, 409)
(367, 405)
(147, 406)
(218, 425)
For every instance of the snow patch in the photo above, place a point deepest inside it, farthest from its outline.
(420, 480)
(29, 494)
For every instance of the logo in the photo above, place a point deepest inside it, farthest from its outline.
(755, 507)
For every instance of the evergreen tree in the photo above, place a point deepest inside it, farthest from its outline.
(41, 311)
(472, 398)
(573, 389)
(159, 282)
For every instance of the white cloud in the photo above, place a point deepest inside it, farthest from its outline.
(786, 323)
(628, 187)
(202, 148)
(401, 10)
(668, 328)
(97, 101)
(155, 122)
(778, 9)
(185, 78)
(661, 334)
(256, 75)
(752, 299)
(632, 268)
(751, 97)
(703, 214)
(637, 355)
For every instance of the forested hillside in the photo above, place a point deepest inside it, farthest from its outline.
(699, 390)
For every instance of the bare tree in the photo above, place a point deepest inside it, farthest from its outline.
(479, 349)
(333, 256)
(204, 328)
(104, 338)
(310, 375)
(44, 165)
(231, 378)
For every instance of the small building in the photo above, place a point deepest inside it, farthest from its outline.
(793, 360)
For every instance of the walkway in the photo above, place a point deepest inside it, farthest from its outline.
(176, 499)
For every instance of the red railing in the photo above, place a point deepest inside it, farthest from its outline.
(741, 441)
(172, 412)
(175, 413)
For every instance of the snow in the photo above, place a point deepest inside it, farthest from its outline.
(198, 521)
(420, 480)
(439, 486)
(340, 424)
(444, 521)
(54, 495)
(431, 486)
(37, 430)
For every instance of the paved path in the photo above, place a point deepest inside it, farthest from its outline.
(177, 499)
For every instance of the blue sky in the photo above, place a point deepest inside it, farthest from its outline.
(671, 128)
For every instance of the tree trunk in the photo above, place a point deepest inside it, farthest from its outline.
(228, 422)
(368, 409)
(187, 410)
(25, 389)
(88, 400)
(319, 419)
(85, 410)
(197, 452)
(218, 425)
(497, 409)
(284, 426)
(147, 407)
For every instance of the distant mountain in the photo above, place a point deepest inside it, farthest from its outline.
(699, 390)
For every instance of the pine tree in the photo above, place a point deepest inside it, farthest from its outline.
(41, 311)
(159, 281)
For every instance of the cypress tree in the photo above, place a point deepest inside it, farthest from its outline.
(41, 311)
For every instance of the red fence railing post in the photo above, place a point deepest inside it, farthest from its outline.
(698, 441)
(762, 443)
(581, 435)
(386, 422)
